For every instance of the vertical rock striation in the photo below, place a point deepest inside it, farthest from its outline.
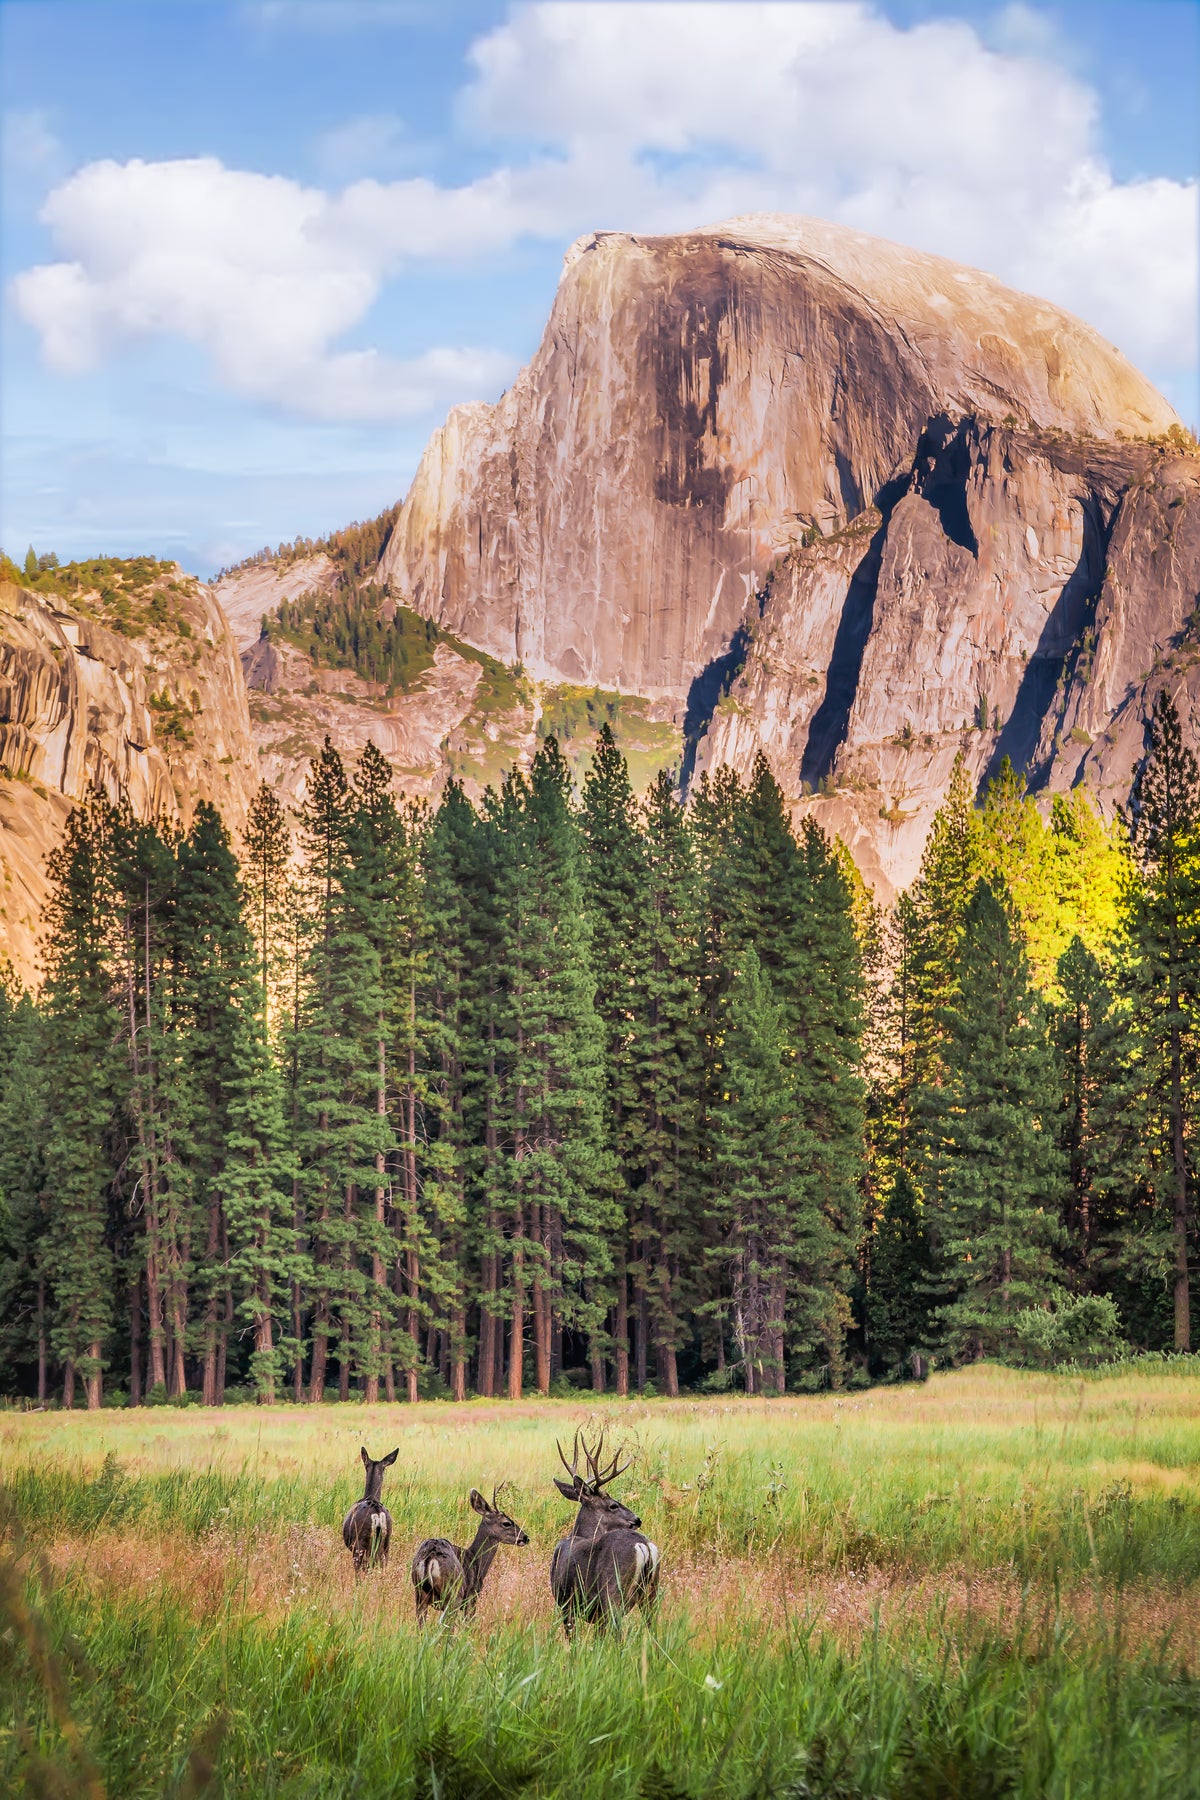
(159, 719)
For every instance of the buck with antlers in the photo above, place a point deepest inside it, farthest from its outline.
(367, 1527)
(447, 1575)
(606, 1564)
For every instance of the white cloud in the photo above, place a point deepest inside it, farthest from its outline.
(255, 269)
(646, 116)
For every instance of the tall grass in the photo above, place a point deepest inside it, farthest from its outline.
(986, 1587)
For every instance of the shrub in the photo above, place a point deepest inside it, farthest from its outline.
(1082, 1329)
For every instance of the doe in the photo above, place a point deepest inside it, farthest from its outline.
(447, 1575)
(606, 1563)
(367, 1527)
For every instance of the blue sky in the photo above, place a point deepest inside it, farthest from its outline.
(252, 252)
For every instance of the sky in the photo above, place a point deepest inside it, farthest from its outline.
(252, 252)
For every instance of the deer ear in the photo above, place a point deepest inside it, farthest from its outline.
(478, 1501)
(365, 1457)
(570, 1490)
(389, 1460)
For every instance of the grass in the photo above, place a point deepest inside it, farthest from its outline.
(986, 1586)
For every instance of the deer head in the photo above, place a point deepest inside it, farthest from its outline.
(600, 1509)
(374, 1487)
(496, 1524)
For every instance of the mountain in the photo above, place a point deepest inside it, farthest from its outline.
(772, 485)
(856, 506)
(117, 674)
(326, 651)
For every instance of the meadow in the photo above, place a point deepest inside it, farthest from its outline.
(985, 1586)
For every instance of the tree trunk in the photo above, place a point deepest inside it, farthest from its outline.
(486, 1373)
(621, 1331)
(178, 1299)
(208, 1382)
(541, 1304)
(595, 1352)
(458, 1363)
(94, 1381)
(641, 1333)
(226, 1325)
(554, 1292)
(378, 1272)
(69, 1384)
(41, 1340)
(778, 1362)
(516, 1338)
(264, 1345)
(320, 1352)
(664, 1353)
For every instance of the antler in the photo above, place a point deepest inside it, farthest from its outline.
(571, 1467)
(602, 1477)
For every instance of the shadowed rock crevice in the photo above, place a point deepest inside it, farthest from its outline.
(831, 720)
(1045, 685)
(708, 688)
(941, 470)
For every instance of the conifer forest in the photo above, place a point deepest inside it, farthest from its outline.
(569, 1090)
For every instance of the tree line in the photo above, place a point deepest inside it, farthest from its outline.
(576, 1089)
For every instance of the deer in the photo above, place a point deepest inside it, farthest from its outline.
(606, 1564)
(450, 1576)
(367, 1527)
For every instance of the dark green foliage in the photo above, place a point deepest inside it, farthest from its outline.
(81, 1085)
(993, 1149)
(389, 645)
(904, 1282)
(1162, 982)
(565, 1088)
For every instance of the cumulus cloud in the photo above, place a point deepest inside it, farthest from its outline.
(646, 116)
(259, 271)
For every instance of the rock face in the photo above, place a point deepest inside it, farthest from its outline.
(1017, 594)
(246, 595)
(917, 511)
(159, 718)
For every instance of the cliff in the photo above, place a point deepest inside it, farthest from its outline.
(841, 491)
(133, 686)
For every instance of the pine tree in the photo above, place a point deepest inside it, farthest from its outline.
(236, 1135)
(24, 1301)
(266, 867)
(616, 885)
(1163, 926)
(792, 903)
(450, 975)
(383, 891)
(339, 1003)
(1088, 1032)
(82, 1079)
(1015, 852)
(560, 1181)
(761, 1207)
(904, 1279)
(158, 1102)
(993, 1133)
(667, 1055)
(940, 897)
